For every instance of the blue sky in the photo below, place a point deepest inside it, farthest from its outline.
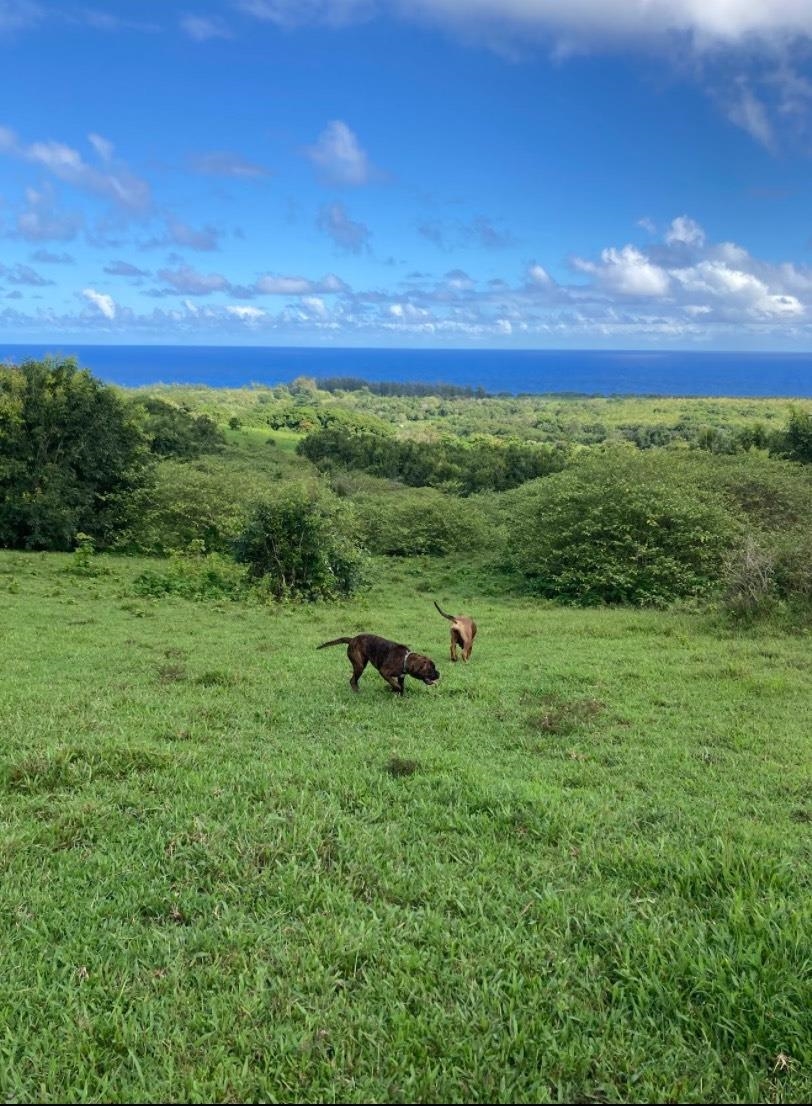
(498, 173)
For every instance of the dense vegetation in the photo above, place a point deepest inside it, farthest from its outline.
(586, 500)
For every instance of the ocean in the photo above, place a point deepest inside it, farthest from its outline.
(584, 372)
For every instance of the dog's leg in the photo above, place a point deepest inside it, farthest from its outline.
(455, 641)
(358, 667)
(396, 683)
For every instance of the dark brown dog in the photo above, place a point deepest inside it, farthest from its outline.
(393, 661)
(463, 632)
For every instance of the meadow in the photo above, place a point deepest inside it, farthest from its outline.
(577, 869)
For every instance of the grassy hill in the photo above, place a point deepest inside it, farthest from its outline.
(578, 869)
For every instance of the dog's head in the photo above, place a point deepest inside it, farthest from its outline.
(422, 668)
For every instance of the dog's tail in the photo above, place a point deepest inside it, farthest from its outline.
(450, 617)
(336, 641)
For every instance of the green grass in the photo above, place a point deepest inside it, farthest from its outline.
(578, 869)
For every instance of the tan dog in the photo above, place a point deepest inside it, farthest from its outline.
(463, 632)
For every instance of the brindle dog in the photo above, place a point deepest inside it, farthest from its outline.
(394, 662)
(463, 632)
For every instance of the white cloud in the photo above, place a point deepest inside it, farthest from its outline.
(539, 276)
(573, 21)
(627, 271)
(104, 303)
(339, 157)
(114, 182)
(103, 147)
(568, 22)
(684, 231)
(246, 313)
(190, 282)
(275, 285)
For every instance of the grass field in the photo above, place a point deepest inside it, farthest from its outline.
(578, 869)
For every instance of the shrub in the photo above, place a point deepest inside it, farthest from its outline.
(199, 501)
(750, 579)
(466, 465)
(302, 545)
(71, 454)
(420, 521)
(621, 526)
(795, 441)
(194, 576)
(174, 431)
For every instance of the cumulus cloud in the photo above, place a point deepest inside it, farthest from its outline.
(339, 158)
(245, 313)
(101, 301)
(681, 289)
(276, 285)
(684, 231)
(189, 282)
(114, 181)
(627, 272)
(347, 234)
(538, 276)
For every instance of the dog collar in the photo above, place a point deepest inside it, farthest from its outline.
(408, 654)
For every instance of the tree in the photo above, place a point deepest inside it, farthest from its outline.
(796, 441)
(71, 454)
(175, 432)
(303, 545)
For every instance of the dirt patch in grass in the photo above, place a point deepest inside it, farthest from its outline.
(400, 766)
(216, 679)
(171, 673)
(565, 716)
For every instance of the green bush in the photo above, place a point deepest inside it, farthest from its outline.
(467, 466)
(621, 526)
(302, 545)
(174, 431)
(795, 441)
(416, 521)
(194, 576)
(199, 501)
(71, 454)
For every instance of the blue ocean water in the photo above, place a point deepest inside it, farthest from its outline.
(588, 372)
